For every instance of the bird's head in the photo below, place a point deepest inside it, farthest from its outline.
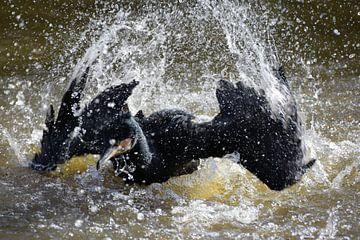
(127, 137)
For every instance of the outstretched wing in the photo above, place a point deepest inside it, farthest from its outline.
(54, 147)
(112, 98)
(240, 101)
(268, 147)
(70, 104)
(103, 119)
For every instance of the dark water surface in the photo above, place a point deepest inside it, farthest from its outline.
(178, 51)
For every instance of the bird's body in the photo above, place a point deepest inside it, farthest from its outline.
(169, 143)
(270, 148)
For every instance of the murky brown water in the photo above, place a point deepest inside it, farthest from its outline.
(178, 51)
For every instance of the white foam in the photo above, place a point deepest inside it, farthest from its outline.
(199, 213)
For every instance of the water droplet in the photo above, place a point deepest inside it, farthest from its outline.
(111, 104)
(336, 32)
(140, 216)
(158, 211)
(94, 208)
(79, 223)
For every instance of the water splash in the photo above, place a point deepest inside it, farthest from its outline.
(178, 53)
(255, 58)
(331, 228)
(200, 214)
(14, 145)
(157, 48)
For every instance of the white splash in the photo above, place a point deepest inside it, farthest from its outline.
(14, 145)
(199, 213)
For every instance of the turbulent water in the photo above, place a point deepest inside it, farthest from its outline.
(178, 52)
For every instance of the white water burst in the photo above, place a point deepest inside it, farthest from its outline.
(204, 214)
(15, 146)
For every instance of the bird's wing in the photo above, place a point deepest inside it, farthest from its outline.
(70, 103)
(54, 143)
(269, 147)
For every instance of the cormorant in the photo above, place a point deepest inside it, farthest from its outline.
(167, 143)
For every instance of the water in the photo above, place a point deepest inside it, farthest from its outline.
(178, 52)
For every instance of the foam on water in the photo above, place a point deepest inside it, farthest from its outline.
(197, 214)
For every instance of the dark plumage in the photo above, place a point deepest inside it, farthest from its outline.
(76, 132)
(168, 143)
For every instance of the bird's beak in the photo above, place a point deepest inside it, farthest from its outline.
(121, 148)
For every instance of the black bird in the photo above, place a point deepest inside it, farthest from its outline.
(168, 143)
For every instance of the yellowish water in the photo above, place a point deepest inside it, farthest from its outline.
(79, 164)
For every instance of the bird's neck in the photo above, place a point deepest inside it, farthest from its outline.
(141, 147)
